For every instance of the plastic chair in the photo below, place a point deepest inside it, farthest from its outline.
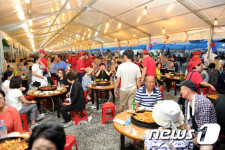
(30, 98)
(105, 107)
(70, 141)
(77, 117)
(161, 89)
(25, 125)
(210, 91)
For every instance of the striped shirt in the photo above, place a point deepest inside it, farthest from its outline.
(148, 100)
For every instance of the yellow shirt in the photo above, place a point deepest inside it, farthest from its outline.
(158, 73)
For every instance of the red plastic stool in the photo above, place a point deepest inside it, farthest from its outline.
(55, 82)
(85, 96)
(105, 107)
(23, 117)
(70, 141)
(204, 91)
(30, 98)
(161, 89)
(77, 117)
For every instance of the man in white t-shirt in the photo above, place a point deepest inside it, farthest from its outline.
(37, 73)
(129, 74)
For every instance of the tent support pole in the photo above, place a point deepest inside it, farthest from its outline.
(210, 41)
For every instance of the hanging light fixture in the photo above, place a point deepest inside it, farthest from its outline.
(163, 31)
(88, 29)
(27, 1)
(119, 25)
(77, 35)
(115, 39)
(30, 22)
(83, 38)
(215, 22)
(134, 35)
(96, 33)
(107, 25)
(138, 19)
(145, 11)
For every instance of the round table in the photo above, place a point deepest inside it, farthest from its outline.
(177, 79)
(100, 88)
(39, 97)
(121, 129)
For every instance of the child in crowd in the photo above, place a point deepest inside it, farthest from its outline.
(86, 80)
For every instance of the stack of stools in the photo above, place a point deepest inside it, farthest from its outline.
(70, 141)
(105, 107)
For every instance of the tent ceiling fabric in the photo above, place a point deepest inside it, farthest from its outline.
(55, 23)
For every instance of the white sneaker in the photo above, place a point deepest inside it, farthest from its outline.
(41, 116)
(34, 125)
(88, 97)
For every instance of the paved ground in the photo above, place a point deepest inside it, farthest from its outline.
(94, 135)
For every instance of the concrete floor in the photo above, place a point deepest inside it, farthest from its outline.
(94, 135)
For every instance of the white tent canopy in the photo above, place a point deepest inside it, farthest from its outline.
(76, 24)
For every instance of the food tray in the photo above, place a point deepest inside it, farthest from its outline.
(47, 88)
(103, 83)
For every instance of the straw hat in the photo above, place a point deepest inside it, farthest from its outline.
(88, 70)
(167, 114)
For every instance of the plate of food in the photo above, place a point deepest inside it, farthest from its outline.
(14, 143)
(47, 88)
(130, 111)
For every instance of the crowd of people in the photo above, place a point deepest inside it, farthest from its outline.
(137, 80)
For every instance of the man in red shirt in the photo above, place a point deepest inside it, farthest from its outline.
(89, 62)
(44, 61)
(149, 65)
(73, 61)
(81, 66)
(194, 75)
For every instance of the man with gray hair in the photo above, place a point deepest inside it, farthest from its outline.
(198, 109)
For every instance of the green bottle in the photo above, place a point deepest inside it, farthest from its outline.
(134, 105)
(49, 84)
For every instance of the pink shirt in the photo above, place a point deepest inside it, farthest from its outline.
(12, 119)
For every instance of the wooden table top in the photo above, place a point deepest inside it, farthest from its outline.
(174, 78)
(31, 93)
(108, 87)
(121, 128)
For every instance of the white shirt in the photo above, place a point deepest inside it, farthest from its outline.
(39, 71)
(5, 86)
(12, 98)
(128, 72)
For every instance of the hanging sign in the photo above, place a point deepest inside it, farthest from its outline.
(177, 37)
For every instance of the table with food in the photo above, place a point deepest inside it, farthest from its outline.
(141, 121)
(48, 91)
(177, 78)
(100, 86)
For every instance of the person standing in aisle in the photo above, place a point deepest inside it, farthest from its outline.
(73, 61)
(81, 66)
(108, 59)
(129, 74)
(44, 61)
(149, 65)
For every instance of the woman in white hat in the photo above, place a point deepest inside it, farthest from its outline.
(168, 115)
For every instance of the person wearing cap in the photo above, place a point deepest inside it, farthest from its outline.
(198, 109)
(73, 61)
(10, 68)
(60, 64)
(196, 66)
(149, 65)
(87, 80)
(44, 61)
(167, 115)
(148, 95)
(19, 72)
(81, 66)
(89, 62)
(129, 74)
